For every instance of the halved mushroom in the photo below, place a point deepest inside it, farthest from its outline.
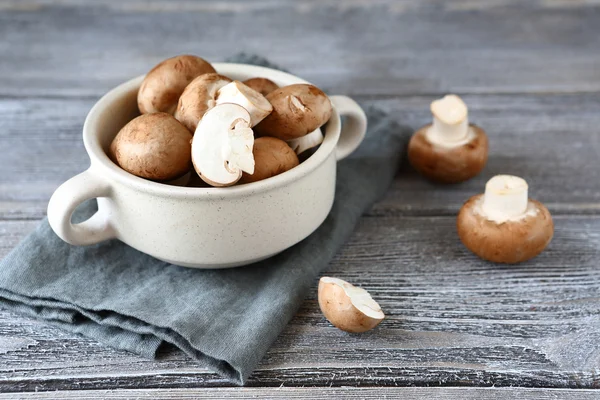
(306, 142)
(503, 225)
(347, 307)
(254, 102)
(297, 110)
(263, 86)
(199, 97)
(162, 86)
(272, 157)
(449, 150)
(222, 145)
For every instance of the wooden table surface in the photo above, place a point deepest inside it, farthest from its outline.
(457, 327)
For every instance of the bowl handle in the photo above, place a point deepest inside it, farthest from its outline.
(64, 201)
(354, 126)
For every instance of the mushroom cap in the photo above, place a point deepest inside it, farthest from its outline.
(448, 165)
(162, 86)
(272, 157)
(199, 97)
(263, 86)
(153, 146)
(509, 242)
(297, 110)
(348, 307)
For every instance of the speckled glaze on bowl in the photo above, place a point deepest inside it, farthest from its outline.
(202, 227)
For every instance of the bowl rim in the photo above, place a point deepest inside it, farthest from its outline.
(108, 169)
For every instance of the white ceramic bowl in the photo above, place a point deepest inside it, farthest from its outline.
(202, 227)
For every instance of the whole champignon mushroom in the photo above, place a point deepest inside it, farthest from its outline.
(272, 157)
(450, 150)
(297, 110)
(162, 86)
(503, 225)
(199, 97)
(254, 102)
(153, 146)
(222, 145)
(348, 307)
(306, 142)
(263, 86)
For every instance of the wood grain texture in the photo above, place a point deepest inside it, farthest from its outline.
(79, 48)
(529, 74)
(405, 393)
(550, 140)
(452, 319)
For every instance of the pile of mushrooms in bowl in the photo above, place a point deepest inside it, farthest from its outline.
(199, 169)
(192, 115)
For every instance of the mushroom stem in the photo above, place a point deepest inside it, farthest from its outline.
(239, 150)
(306, 142)
(254, 102)
(450, 121)
(505, 198)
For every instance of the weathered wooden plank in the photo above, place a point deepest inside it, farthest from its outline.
(451, 320)
(551, 140)
(80, 48)
(405, 393)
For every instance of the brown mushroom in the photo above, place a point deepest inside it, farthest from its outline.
(272, 157)
(263, 86)
(348, 307)
(450, 150)
(297, 110)
(503, 225)
(153, 146)
(199, 97)
(162, 86)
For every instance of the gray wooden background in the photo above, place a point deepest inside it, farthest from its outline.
(530, 73)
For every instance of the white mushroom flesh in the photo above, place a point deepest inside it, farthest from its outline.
(505, 199)
(238, 93)
(306, 142)
(450, 127)
(222, 144)
(213, 91)
(359, 297)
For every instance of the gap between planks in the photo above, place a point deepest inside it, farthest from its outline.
(368, 393)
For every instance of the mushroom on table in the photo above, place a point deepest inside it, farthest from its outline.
(503, 225)
(347, 307)
(449, 150)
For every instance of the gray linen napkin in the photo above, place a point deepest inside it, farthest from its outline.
(225, 319)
